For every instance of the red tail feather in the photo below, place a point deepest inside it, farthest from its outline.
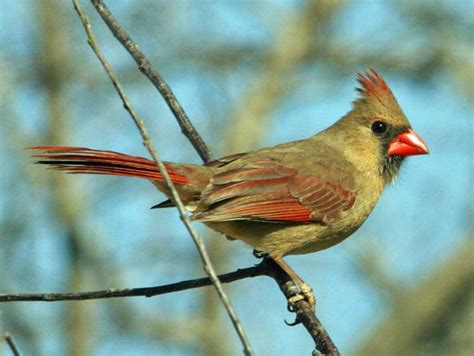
(79, 160)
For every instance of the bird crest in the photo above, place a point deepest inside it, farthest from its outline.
(373, 85)
(375, 94)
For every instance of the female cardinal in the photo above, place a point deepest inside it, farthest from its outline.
(294, 198)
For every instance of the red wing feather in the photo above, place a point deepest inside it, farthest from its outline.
(284, 210)
(271, 192)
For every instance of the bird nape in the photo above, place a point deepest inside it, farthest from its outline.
(293, 198)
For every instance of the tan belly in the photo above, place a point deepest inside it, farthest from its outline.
(282, 239)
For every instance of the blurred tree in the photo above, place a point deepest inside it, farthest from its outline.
(434, 317)
(54, 66)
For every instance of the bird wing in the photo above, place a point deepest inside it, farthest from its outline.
(271, 192)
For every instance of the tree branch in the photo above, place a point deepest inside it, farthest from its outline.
(145, 67)
(255, 271)
(267, 267)
(208, 268)
(11, 344)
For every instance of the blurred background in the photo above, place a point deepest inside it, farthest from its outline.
(249, 74)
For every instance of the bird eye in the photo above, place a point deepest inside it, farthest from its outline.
(379, 127)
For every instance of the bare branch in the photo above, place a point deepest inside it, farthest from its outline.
(255, 271)
(304, 312)
(11, 344)
(145, 67)
(208, 268)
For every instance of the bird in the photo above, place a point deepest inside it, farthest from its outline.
(293, 198)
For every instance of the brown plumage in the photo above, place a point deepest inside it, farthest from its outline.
(294, 198)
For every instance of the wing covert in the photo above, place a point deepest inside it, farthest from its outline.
(268, 191)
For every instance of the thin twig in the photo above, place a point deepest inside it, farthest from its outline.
(146, 68)
(255, 271)
(174, 194)
(11, 344)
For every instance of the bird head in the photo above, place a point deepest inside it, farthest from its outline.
(376, 123)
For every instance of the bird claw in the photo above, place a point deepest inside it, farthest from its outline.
(294, 323)
(293, 300)
(306, 293)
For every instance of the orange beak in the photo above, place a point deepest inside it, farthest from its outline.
(408, 143)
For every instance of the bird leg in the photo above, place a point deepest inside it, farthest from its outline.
(306, 292)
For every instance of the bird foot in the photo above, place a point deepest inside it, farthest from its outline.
(306, 293)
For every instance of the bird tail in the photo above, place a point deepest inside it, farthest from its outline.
(79, 160)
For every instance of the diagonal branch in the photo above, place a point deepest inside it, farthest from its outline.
(11, 344)
(209, 269)
(145, 67)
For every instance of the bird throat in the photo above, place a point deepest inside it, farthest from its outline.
(391, 167)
